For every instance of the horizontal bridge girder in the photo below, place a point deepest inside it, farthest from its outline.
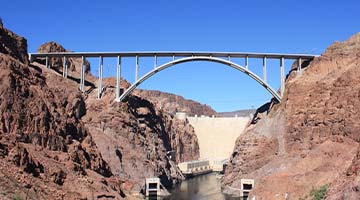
(173, 54)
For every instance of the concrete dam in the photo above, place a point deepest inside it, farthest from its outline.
(217, 135)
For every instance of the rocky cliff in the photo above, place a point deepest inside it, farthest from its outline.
(13, 45)
(148, 134)
(173, 103)
(310, 139)
(137, 139)
(45, 149)
(57, 63)
(59, 143)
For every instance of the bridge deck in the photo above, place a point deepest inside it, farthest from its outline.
(181, 57)
(175, 53)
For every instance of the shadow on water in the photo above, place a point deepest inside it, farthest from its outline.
(204, 187)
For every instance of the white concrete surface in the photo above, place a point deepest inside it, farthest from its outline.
(217, 136)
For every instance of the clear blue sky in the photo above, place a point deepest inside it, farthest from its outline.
(302, 26)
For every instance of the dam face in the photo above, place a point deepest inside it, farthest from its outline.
(217, 135)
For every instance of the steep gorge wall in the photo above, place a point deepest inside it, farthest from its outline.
(312, 137)
(172, 103)
(44, 147)
(134, 137)
(53, 137)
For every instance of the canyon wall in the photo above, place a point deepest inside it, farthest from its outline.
(174, 103)
(57, 142)
(311, 138)
(45, 148)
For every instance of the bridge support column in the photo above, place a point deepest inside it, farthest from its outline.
(137, 68)
(82, 74)
(101, 64)
(299, 70)
(65, 68)
(47, 62)
(118, 77)
(247, 62)
(30, 58)
(264, 68)
(155, 61)
(282, 77)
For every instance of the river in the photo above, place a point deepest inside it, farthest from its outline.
(204, 187)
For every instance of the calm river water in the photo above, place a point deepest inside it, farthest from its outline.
(204, 187)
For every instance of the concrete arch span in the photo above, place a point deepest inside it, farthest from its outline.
(201, 58)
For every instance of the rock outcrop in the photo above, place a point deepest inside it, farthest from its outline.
(173, 103)
(58, 63)
(311, 138)
(45, 147)
(13, 45)
(137, 139)
(54, 137)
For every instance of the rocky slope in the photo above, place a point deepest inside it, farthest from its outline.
(45, 148)
(134, 137)
(148, 134)
(53, 137)
(13, 45)
(172, 103)
(312, 137)
(57, 63)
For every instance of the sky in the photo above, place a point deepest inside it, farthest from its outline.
(279, 26)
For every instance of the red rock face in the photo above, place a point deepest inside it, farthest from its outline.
(173, 103)
(59, 143)
(13, 45)
(44, 144)
(58, 63)
(135, 137)
(312, 137)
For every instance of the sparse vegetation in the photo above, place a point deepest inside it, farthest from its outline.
(317, 193)
(17, 197)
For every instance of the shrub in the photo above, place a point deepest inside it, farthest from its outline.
(319, 193)
(17, 197)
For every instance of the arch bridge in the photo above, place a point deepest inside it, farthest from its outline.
(177, 58)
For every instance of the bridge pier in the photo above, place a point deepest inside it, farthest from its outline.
(299, 69)
(282, 77)
(118, 77)
(101, 64)
(65, 68)
(137, 68)
(155, 61)
(82, 74)
(264, 68)
(247, 62)
(47, 61)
